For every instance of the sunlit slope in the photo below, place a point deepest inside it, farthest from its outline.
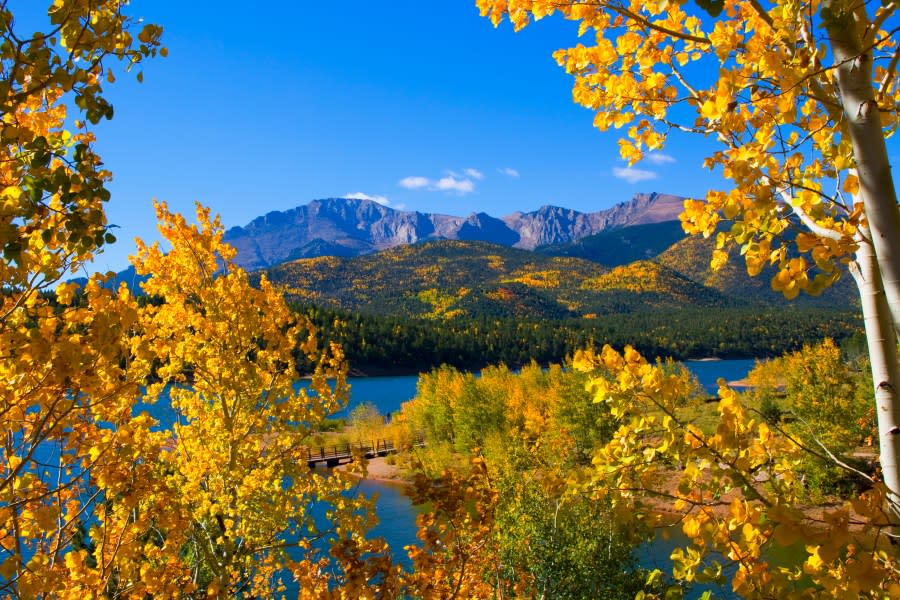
(446, 279)
(621, 245)
(691, 257)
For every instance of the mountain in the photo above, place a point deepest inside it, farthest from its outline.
(445, 279)
(336, 225)
(353, 227)
(128, 276)
(691, 256)
(621, 245)
(554, 225)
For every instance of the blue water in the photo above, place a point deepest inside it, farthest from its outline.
(397, 515)
(655, 555)
(386, 393)
(709, 371)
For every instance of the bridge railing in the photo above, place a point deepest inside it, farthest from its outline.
(348, 449)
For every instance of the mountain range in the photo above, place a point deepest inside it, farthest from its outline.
(459, 278)
(552, 263)
(354, 227)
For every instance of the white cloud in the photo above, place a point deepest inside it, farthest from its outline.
(658, 158)
(509, 172)
(363, 196)
(452, 184)
(632, 175)
(414, 183)
(474, 174)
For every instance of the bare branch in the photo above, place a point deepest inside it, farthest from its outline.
(890, 72)
(761, 12)
(798, 209)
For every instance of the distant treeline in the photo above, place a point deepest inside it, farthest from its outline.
(380, 343)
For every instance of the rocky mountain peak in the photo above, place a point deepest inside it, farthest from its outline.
(351, 227)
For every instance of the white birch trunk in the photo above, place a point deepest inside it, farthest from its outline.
(877, 271)
(862, 123)
(883, 358)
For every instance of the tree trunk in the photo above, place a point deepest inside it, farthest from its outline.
(883, 357)
(877, 271)
(863, 124)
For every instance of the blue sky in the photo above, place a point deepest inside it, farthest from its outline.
(422, 104)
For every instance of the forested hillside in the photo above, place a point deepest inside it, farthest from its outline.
(621, 245)
(380, 343)
(456, 279)
(450, 279)
(691, 256)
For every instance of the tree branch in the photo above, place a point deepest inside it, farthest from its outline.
(810, 223)
(890, 73)
(624, 12)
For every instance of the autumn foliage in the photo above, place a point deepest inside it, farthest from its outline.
(99, 496)
(520, 438)
(754, 78)
(738, 494)
(96, 497)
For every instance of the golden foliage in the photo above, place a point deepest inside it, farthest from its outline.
(537, 279)
(209, 505)
(641, 276)
(442, 303)
(755, 79)
(738, 492)
(98, 499)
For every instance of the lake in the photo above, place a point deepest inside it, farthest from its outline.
(396, 513)
(709, 371)
(386, 393)
(389, 393)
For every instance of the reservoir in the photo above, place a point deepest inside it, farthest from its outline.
(396, 513)
(389, 393)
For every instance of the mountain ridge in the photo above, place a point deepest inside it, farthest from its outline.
(449, 278)
(445, 279)
(354, 227)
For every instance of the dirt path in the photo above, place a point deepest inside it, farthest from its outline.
(379, 470)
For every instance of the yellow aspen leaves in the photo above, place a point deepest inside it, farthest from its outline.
(739, 493)
(96, 497)
(753, 78)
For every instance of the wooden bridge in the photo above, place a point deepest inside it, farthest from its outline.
(335, 455)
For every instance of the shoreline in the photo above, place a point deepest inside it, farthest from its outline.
(374, 371)
(377, 469)
(382, 372)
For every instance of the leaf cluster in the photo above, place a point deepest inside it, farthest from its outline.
(529, 431)
(738, 492)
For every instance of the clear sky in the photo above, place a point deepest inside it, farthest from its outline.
(422, 104)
